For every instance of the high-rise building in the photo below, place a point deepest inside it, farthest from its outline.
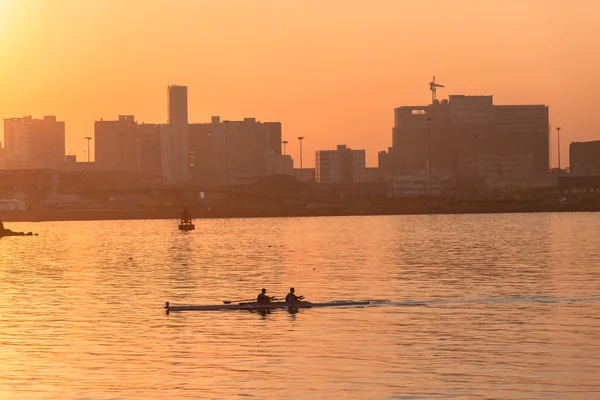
(148, 155)
(241, 148)
(175, 140)
(202, 167)
(115, 144)
(585, 158)
(452, 132)
(342, 165)
(125, 145)
(34, 143)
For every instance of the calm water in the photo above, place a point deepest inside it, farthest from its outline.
(482, 306)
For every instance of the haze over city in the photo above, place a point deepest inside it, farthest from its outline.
(332, 72)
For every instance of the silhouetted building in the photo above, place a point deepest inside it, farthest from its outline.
(149, 149)
(34, 143)
(385, 162)
(125, 145)
(214, 153)
(342, 165)
(241, 148)
(114, 148)
(37, 184)
(491, 165)
(2, 157)
(70, 161)
(279, 164)
(175, 139)
(372, 174)
(417, 185)
(226, 152)
(585, 158)
(305, 174)
(513, 138)
(202, 168)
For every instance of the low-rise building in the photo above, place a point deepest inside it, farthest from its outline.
(279, 164)
(585, 158)
(305, 174)
(417, 184)
(342, 165)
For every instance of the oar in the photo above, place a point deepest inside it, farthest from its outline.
(235, 301)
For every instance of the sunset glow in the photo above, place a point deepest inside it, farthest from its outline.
(4, 10)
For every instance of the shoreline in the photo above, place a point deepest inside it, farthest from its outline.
(203, 213)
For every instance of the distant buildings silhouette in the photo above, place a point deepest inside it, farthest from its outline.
(469, 142)
(469, 137)
(215, 153)
(464, 143)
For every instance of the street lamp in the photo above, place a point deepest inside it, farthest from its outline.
(558, 133)
(300, 139)
(88, 138)
(284, 143)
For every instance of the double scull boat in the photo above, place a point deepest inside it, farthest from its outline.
(266, 306)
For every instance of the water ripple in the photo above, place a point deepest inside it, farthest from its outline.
(480, 306)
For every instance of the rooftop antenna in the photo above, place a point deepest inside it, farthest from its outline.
(433, 86)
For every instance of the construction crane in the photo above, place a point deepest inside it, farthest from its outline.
(433, 86)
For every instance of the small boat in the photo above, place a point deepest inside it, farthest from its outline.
(266, 306)
(186, 221)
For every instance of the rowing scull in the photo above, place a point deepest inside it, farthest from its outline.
(267, 306)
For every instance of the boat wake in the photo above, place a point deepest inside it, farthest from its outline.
(490, 300)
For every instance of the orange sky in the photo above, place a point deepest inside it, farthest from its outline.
(331, 71)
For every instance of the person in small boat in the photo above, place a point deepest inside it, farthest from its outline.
(291, 296)
(263, 298)
(1, 226)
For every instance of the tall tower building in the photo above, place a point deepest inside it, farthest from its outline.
(178, 105)
(175, 146)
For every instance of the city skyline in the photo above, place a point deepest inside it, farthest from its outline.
(329, 85)
(373, 163)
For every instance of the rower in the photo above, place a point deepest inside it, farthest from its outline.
(263, 298)
(292, 298)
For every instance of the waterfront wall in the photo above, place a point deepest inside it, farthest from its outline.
(173, 213)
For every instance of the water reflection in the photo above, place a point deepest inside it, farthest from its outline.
(483, 306)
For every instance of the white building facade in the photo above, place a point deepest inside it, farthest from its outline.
(342, 165)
